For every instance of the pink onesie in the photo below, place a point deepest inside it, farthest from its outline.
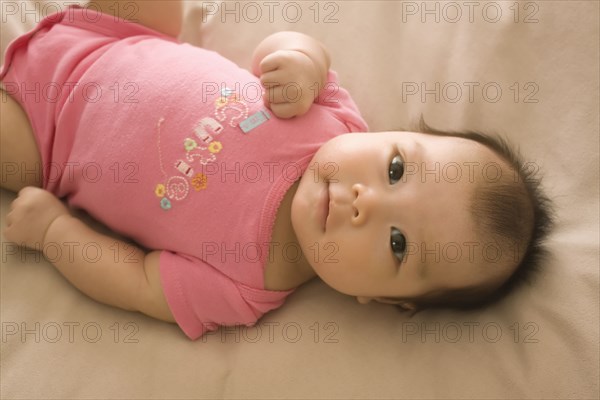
(170, 145)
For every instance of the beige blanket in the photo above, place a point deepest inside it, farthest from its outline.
(527, 70)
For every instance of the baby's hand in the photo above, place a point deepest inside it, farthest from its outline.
(31, 213)
(292, 81)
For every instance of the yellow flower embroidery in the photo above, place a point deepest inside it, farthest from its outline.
(160, 190)
(220, 102)
(199, 182)
(215, 147)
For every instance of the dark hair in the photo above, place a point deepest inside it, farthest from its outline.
(509, 211)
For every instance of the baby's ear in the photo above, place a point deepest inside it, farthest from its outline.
(364, 300)
(407, 305)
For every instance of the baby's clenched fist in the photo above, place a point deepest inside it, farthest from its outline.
(292, 81)
(30, 216)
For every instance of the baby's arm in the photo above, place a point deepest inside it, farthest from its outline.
(108, 270)
(293, 67)
(164, 16)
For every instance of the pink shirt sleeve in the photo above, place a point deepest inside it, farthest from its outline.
(201, 297)
(339, 101)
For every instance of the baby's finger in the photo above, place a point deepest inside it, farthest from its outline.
(271, 79)
(284, 110)
(270, 63)
(283, 94)
(26, 190)
(9, 224)
(17, 203)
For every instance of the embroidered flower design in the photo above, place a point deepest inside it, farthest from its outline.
(189, 144)
(177, 188)
(165, 204)
(215, 147)
(220, 102)
(160, 190)
(199, 182)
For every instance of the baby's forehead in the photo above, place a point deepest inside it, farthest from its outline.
(466, 152)
(432, 148)
(430, 139)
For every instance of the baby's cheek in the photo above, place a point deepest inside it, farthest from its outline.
(357, 257)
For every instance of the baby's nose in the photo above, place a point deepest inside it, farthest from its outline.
(364, 203)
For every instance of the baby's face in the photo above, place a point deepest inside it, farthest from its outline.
(387, 214)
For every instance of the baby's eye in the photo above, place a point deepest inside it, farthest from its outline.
(398, 244)
(396, 169)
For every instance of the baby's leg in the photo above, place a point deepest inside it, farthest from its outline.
(165, 16)
(20, 161)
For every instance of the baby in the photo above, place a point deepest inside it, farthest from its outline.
(239, 187)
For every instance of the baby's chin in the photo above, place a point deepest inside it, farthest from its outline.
(302, 208)
(298, 218)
